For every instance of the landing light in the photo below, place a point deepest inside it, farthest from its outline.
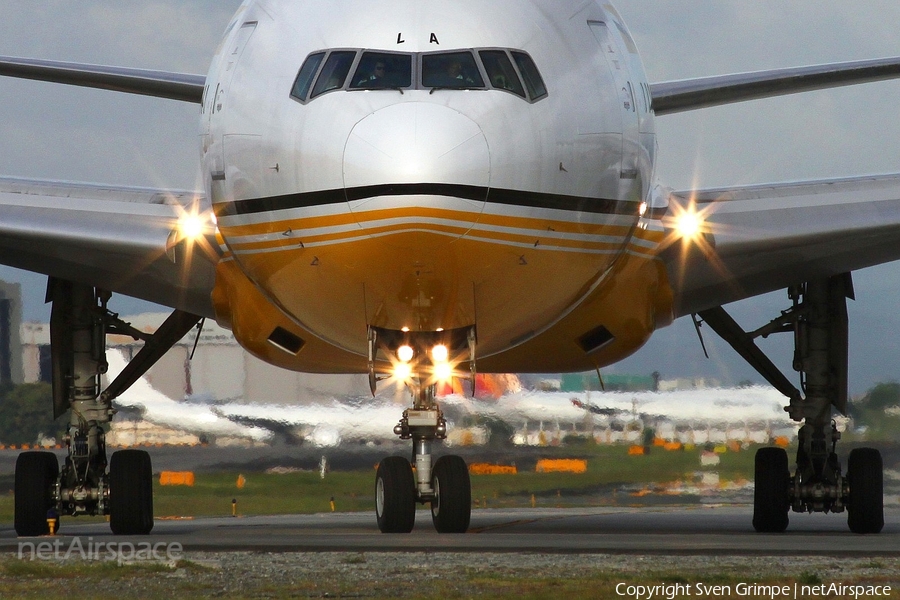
(405, 353)
(189, 234)
(440, 354)
(191, 226)
(688, 224)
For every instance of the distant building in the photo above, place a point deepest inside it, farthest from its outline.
(10, 343)
(219, 370)
(583, 382)
(126, 433)
(688, 383)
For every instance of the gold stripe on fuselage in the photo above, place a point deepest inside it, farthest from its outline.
(552, 234)
(425, 267)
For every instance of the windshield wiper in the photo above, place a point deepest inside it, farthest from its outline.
(453, 87)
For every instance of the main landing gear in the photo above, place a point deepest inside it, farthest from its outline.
(88, 484)
(818, 320)
(444, 483)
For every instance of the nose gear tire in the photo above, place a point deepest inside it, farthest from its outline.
(395, 495)
(451, 508)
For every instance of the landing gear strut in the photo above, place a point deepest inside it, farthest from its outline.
(444, 483)
(88, 484)
(818, 321)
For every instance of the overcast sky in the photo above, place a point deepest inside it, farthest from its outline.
(52, 131)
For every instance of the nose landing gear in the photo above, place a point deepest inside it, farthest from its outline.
(444, 483)
(399, 483)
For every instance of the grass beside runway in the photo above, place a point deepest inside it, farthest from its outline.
(612, 477)
(441, 576)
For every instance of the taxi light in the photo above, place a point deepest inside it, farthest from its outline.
(440, 354)
(443, 372)
(402, 372)
(405, 353)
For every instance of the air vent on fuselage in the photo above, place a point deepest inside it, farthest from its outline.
(285, 340)
(595, 339)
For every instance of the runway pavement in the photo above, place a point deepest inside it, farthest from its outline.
(707, 530)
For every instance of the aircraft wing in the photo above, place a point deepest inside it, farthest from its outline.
(691, 94)
(117, 238)
(761, 238)
(159, 84)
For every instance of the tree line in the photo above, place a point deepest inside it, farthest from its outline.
(26, 412)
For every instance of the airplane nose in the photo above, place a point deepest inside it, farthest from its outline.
(417, 155)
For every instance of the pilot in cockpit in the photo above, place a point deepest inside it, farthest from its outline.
(454, 75)
(375, 79)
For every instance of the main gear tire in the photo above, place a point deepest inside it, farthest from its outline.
(771, 493)
(865, 505)
(395, 495)
(130, 493)
(36, 475)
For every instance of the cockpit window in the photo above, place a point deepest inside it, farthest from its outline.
(305, 76)
(380, 70)
(470, 69)
(532, 76)
(500, 71)
(451, 70)
(334, 73)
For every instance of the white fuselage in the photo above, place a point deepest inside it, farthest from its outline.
(425, 207)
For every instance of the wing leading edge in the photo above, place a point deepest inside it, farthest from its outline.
(691, 94)
(116, 238)
(757, 239)
(144, 82)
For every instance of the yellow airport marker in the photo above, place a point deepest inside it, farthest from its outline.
(234, 507)
(52, 521)
(332, 504)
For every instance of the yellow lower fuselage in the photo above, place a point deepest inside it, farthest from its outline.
(532, 287)
(511, 200)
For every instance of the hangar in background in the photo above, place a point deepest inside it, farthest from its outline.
(219, 370)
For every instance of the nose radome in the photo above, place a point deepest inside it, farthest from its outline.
(436, 148)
